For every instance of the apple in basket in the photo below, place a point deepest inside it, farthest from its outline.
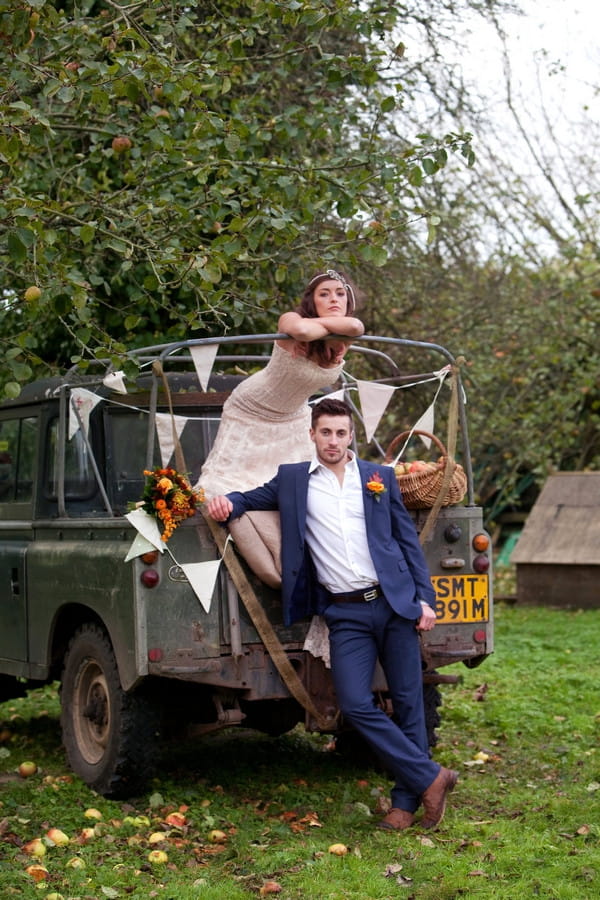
(419, 466)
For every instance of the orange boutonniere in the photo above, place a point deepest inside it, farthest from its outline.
(375, 486)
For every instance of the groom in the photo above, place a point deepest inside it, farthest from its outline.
(350, 552)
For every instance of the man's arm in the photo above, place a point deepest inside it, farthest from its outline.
(233, 505)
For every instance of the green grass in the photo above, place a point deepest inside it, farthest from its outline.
(523, 823)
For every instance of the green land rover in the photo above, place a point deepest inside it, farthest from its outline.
(136, 651)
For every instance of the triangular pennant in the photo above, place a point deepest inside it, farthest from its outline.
(147, 527)
(83, 401)
(202, 577)
(426, 423)
(204, 357)
(334, 395)
(115, 381)
(139, 546)
(164, 430)
(374, 399)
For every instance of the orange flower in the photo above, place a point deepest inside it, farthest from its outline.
(376, 486)
(160, 504)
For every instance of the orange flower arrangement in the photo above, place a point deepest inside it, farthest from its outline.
(376, 486)
(169, 497)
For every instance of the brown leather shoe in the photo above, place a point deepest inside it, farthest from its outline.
(397, 820)
(435, 797)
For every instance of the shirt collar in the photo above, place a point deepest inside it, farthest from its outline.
(315, 464)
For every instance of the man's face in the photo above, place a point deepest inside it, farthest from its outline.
(332, 436)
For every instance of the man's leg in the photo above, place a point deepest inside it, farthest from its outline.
(356, 637)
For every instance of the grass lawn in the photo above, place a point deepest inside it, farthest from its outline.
(258, 815)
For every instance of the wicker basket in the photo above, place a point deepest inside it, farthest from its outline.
(421, 489)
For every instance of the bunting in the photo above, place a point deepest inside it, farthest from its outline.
(204, 358)
(147, 526)
(164, 431)
(84, 402)
(115, 381)
(374, 399)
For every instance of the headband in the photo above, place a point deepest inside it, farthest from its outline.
(332, 274)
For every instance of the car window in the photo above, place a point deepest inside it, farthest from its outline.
(17, 458)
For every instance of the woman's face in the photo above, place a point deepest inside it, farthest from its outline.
(330, 298)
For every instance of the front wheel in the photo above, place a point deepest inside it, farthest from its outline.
(110, 735)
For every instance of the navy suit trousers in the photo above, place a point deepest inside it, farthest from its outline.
(359, 634)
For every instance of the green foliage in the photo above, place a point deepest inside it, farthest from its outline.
(522, 730)
(174, 170)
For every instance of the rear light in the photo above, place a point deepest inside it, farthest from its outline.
(149, 578)
(479, 636)
(155, 654)
(481, 542)
(150, 557)
(481, 563)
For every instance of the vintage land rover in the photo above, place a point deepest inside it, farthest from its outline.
(135, 650)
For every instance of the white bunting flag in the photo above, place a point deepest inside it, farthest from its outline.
(115, 381)
(204, 357)
(139, 546)
(202, 577)
(164, 430)
(374, 399)
(335, 395)
(84, 402)
(426, 423)
(147, 526)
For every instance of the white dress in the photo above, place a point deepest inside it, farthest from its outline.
(265, 422)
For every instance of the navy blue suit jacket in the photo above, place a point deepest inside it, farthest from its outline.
(393, 542)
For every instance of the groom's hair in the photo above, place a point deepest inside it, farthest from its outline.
(327, 407)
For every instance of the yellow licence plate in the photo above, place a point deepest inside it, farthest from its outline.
(461, 598)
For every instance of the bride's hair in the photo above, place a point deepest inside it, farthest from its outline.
(321, 351)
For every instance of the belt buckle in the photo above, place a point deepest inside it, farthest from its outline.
(370, 595)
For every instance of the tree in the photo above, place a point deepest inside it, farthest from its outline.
(174, 169)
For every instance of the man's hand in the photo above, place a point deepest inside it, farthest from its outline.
(427, 620)
(219, 508)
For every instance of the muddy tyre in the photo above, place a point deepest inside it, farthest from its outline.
(110, 735)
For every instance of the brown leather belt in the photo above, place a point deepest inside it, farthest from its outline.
(357, 596)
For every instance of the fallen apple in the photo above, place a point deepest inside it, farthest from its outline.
(216, 836)
(157, 857)
(27, 768)
(38, 873)
(176, 819)
(54, 896)
(92, 813)
(75, 863)
(338, 849)
(270, 887)
(87, 834)
(36, 847)
(157, 837)
(57, 837)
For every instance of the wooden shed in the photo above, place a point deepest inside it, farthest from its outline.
(557, 557)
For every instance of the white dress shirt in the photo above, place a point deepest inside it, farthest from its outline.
(335, 529)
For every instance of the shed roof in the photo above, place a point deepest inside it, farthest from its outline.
(564, 525)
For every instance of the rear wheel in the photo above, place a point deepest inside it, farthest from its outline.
(110, 735)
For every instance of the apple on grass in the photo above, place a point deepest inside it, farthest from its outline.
(36, 847)
(27, 768)
(58, 837)
(157, 857)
